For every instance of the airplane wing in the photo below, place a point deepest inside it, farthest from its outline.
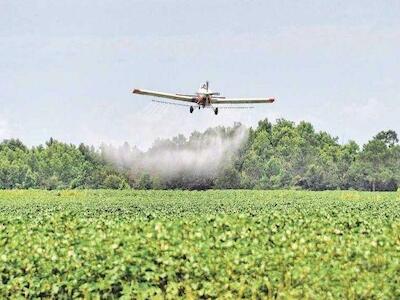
(179, 97)
(241, 100)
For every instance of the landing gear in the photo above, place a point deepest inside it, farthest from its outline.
(191, 109)
(216, 110)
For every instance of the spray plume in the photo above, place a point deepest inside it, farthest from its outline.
(201, 155)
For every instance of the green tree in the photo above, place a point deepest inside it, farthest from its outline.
(378, 158)
(229, 178)
(115, 182)
(145, 182)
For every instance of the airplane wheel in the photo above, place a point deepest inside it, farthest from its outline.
(216, 110)
(191, 109)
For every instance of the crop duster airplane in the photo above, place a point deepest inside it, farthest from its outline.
(204, 98)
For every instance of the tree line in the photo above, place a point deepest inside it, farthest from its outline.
(270, 156)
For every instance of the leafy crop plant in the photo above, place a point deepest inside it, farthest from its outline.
(199, 245)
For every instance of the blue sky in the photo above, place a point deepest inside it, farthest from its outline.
(67, 67)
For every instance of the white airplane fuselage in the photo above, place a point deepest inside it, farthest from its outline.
(204, 95)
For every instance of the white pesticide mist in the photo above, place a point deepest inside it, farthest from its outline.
(200, 155)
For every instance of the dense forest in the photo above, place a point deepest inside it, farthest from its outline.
(271, 156)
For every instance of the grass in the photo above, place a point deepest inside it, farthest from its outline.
(213, 244)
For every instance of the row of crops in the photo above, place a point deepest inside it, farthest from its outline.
(214, 244)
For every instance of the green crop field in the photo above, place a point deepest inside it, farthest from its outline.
(214, 244)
